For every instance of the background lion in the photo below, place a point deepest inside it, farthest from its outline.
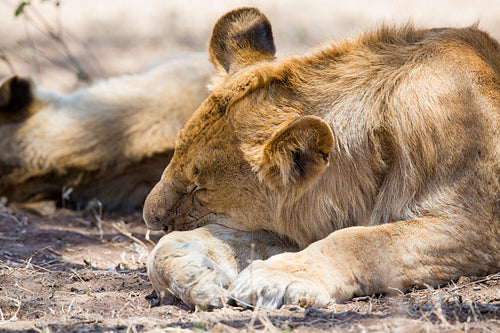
(377, 157)
(108, 142)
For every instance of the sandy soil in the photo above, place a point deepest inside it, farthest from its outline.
(58, 274)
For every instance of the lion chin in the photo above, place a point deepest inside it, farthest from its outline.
(366, 166)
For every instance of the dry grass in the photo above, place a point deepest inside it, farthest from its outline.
(57, 274)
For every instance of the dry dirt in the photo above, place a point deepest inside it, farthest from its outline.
(58, 274)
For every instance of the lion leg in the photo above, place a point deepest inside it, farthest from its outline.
(197, 266)
(366, 260)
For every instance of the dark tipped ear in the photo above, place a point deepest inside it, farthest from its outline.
(16, 99)
(296, 154)
(241, 37)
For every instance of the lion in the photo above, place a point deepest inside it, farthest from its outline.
(109, 142)
(367, 166)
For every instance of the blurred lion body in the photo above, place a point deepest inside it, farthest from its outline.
(108, 142)
(378, 157)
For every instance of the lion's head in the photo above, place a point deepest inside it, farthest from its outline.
(249, 140)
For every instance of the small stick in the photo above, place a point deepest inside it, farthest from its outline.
(89, 291)
(121, 229)
(148, 239)
(252, 253)
(25, 260)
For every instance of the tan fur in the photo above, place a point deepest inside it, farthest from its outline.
(379, 156)
(109, 141)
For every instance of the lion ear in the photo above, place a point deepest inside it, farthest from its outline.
(16, 99)
(241, 37)
(296, 154)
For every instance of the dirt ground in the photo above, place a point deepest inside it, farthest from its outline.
(57, 274)
(62, 273)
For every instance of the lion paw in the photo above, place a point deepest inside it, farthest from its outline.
(183, 269)
(276, 287)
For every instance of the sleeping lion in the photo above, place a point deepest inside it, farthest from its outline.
(108, 142)
(366, 166)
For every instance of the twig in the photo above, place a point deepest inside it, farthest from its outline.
(70, 305)
(439, 310)
(36, 329)
(131, 329)
(95, 61)
(13, 218)
(54, 252)
(97, 214)
(66, 195)
(488, 278)
(255, 312)
(399, 291)
(39, 268)
(17, 268)
(89, 291)
(148, 239)
(268, 325)
(31, 43)
(57, 37)
(252, 252)
(6, 60)
(14, 316)
(31, 15)
(121, 229)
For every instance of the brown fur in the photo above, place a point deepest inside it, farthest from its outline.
(110, 141)
(379, 156)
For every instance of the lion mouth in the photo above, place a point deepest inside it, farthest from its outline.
(168, 229)
(189, 222)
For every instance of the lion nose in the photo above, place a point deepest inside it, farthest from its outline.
(158, 207)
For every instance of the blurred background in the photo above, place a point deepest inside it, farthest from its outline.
(67, 43)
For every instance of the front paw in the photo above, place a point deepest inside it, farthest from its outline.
(276, 285)
(183, 269)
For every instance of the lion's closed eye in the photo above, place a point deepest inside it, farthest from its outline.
(197, 194)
